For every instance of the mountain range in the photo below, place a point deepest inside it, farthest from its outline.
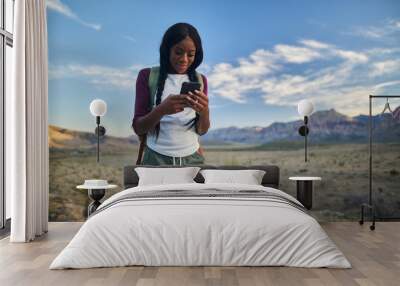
(328, 126)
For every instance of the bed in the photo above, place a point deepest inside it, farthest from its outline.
(198, 224)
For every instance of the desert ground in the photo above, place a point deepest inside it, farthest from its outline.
(343, 168)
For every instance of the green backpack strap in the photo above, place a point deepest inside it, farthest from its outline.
(153, 78)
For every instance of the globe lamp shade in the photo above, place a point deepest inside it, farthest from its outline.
(305, 107)
(98, 107)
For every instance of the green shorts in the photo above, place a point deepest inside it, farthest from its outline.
(151, 157)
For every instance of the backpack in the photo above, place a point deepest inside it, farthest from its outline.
(153, 78)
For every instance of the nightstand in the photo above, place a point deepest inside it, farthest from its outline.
(96, 191)
(305, 189)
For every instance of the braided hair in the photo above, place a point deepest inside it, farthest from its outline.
(175, 34)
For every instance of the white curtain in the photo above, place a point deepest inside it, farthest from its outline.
(27, 150)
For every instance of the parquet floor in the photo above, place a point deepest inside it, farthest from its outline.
(375, 257)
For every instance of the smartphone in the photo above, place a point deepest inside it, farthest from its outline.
(189, 86)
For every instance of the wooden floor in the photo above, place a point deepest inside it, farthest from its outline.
(375, 256)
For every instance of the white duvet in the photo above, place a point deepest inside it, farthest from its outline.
(200, 231)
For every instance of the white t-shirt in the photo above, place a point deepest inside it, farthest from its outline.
(175, 139)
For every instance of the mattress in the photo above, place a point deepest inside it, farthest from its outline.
(201, 225)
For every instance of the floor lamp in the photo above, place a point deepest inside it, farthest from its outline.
(98, 108)
(96, 188)
(305, 108)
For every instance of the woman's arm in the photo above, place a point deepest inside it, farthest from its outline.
(142, 102)
(145, 119)
(204, 122)
(199, 102)
(144, 124)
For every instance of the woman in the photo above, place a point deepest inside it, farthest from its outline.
(172, 121)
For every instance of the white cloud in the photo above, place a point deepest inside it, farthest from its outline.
(384, 67)
(58, 6)
(129, 38)
(204, 68)
(295, 54)
(315, 44)
(370, 32)
(382, 51)
(352, 56)
(330, 76)
(103, 76)
(386, 84)
(385, 29)
(232, 83)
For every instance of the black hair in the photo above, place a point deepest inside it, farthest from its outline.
(175, 34)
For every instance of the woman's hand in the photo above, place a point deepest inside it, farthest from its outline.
(174, 103)
(171, 105)
(198, 101)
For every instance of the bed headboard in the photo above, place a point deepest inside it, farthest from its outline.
(270, 179)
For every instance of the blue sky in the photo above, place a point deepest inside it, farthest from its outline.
(261, 57)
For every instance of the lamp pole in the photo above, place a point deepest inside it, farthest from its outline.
(98, 137)
(98, 108)
(305, 137)
(305, 108)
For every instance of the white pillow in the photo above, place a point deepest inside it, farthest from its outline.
(165, 176)
(249, 177)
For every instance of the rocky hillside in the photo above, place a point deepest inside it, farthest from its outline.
(65, 139)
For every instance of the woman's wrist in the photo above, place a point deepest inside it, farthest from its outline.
(204, 112)
(204, 122)
(147, 122)
(159, 110)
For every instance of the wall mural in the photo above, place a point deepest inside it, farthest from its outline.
(260, 59)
